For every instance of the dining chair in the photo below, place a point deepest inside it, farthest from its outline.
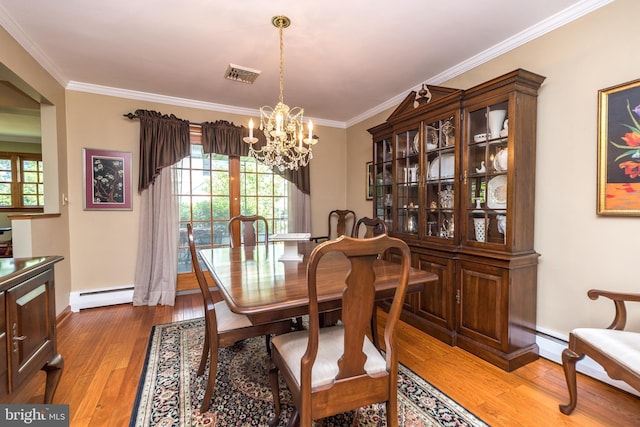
(248, 233)
(223, 327)
(372, 227)
(345, 221)
(336, 369)
(616, 348)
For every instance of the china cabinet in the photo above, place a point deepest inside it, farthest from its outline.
(446, 183)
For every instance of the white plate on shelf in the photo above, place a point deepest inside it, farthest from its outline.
(431, 135)
(501, 160)
(443, 166)
(415, 146)
(497, 192)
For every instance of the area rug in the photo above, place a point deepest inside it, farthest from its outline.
(170, 392)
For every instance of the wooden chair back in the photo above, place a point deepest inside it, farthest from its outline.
(345, 223)
(248, 236)
(373, 227)
(352, 386)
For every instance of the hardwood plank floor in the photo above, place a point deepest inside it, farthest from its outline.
(104, 350)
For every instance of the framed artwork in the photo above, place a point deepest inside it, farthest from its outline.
(619, 150)
(370, 178)
(107, 179)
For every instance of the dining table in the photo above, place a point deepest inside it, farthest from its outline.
(257, 282)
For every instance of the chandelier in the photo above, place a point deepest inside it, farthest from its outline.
(286, 146)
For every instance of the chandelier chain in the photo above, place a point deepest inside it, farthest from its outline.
(281, 60)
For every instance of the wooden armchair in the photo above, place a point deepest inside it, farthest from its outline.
(335, 369)
(223, 327)
(372, 227)
(345, 224)
(616, 350)
(248, 235)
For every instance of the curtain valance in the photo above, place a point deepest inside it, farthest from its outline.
(164, 141)
(222, 137)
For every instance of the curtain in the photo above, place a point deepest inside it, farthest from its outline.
(156, 267)
(222, 137)
(164, 140)
(299, 211)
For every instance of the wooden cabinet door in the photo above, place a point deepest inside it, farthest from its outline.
(30, 328)
(435, 303)
(483, 304)
(4, 362)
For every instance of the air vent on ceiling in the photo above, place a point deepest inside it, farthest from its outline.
(241, 74)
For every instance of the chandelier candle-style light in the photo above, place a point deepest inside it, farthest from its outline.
(286, 146)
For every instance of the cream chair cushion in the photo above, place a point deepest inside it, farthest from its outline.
(228, 320)
(330, 348)
(621, 346)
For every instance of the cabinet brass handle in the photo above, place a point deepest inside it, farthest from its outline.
(20, 338)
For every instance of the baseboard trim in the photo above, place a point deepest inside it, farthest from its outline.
(551, 348)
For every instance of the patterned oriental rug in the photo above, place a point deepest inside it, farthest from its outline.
(170, 393)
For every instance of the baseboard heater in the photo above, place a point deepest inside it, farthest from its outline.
(100, 297)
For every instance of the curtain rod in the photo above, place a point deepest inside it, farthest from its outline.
(135, 116)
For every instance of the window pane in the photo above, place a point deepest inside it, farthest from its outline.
(220, 183)
(201, 206)
(5, 200)
(5, 176)
(220, 207)
(30, 165)
(184, 203)
(5, 164)
(30, 200)
(29, 189)
(5, 188)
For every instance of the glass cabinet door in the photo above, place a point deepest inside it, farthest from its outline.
(407, 169)
(440, 174)
(383, 188)
(485, 176)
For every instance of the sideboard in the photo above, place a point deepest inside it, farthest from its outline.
(28, 324)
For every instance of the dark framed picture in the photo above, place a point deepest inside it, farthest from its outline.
(619, 150)
(370, 178)
(107, 179)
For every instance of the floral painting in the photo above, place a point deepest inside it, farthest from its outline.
(107, 179)
(619, 150)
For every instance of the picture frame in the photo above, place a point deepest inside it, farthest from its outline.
(619, 150)
(370, 179)
(107, 179)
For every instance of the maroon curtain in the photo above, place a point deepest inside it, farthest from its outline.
(164, 140)
(222, 137)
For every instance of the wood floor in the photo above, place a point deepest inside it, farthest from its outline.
(104, 350)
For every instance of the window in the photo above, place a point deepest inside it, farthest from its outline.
(21, 181)
(213, 188)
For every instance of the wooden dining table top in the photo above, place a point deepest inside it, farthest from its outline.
(254, 282)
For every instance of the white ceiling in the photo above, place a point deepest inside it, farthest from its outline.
(344, 60)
